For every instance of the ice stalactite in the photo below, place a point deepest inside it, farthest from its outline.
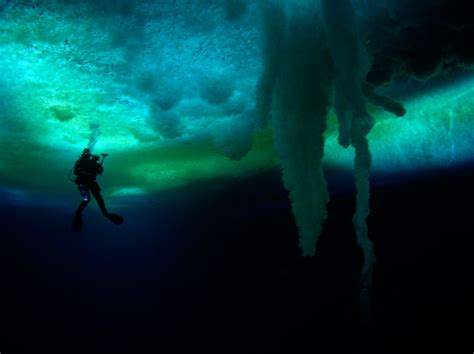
(352, 65)
(314, 58)
(451, 139)
(363, 161)
(298, 74)
(274, 23)
(386, 103)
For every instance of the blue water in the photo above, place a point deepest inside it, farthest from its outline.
(214, 267)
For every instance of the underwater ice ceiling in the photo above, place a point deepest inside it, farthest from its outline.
(172, 90)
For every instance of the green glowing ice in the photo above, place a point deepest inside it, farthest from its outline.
(61, 72)
(437, 131)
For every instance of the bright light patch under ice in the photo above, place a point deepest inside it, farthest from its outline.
(63, 70)
(437, 131)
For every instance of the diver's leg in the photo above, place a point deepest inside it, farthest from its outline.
(81, 207)
(77, 222)
(115, 218)
(95, 190)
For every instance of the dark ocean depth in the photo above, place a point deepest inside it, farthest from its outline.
(214, 267)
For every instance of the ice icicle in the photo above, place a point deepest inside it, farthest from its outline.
(363, 160)
(300, 105)
(273, 29)
(352, 65)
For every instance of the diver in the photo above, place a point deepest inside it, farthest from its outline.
(86, 169)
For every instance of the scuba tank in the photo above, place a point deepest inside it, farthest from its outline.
(72, 168)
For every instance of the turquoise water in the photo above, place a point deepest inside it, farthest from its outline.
(208, 258)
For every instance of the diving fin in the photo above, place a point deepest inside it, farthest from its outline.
(115, 218)
(77, 224)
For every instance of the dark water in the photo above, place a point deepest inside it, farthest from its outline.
(215, 268)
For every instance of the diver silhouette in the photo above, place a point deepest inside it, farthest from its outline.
(86, 169)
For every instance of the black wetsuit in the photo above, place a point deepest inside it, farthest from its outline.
(87, 170)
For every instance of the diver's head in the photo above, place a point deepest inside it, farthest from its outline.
(86, 152)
